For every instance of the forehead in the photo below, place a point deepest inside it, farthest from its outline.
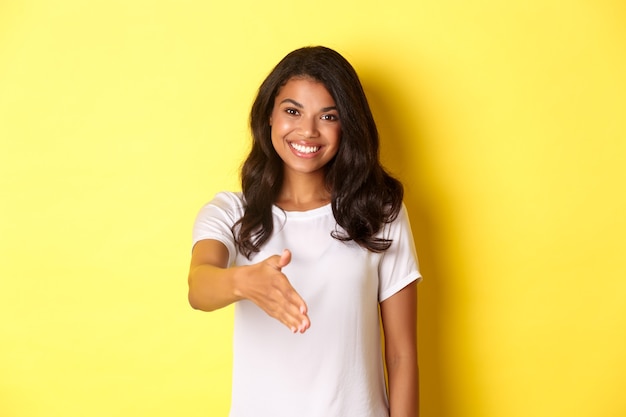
(304, 86)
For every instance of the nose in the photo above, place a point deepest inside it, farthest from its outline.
(308, 127)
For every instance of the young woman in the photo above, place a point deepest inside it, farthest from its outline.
(314, 252)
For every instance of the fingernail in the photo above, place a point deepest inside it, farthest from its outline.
(293, 330)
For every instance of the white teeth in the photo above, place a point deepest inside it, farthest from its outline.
(305, 149)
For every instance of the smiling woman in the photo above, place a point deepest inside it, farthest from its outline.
(317, 242)
(306, 132)
(504, 120)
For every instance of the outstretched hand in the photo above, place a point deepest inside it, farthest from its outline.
(270, 289)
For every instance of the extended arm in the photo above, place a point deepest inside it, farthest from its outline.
(213, 285)
(399, 318)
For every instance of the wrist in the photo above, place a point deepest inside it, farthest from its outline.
(238, 281)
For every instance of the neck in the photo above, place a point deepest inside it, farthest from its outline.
(303, 192)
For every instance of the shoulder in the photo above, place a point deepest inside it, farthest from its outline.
(397, 222)
(403, 215)
(225, 205)
(228, 199)
(216, 218)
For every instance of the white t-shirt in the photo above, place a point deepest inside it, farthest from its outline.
(335, 368)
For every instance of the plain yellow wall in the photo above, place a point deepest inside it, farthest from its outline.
(505, 120)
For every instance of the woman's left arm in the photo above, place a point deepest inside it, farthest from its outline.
(399, 319)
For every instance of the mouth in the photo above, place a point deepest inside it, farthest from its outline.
(304, 149)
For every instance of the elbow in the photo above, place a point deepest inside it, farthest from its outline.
(193, 302)
(196, 301)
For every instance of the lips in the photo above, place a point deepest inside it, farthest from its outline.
(304, 149)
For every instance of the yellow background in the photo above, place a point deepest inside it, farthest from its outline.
(505, 119)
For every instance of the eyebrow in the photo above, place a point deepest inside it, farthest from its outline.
(299, 105)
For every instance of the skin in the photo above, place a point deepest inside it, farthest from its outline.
(399, 319)
(306, 133)
(304, 118)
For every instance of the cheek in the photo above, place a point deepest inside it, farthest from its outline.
(280, 125)
(335, 133)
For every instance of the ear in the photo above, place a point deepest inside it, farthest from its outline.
(270, 120)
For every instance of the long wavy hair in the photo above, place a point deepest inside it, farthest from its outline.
(363, 195)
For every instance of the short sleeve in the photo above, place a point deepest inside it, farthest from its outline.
(399, 266)
(216, 219)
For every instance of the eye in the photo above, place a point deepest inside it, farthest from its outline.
(291, 111)
(330, 117)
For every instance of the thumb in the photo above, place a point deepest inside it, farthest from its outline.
(285, 258)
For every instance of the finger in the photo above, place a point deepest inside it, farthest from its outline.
(279, 261)
(285, 258)
(304, 326)
(299, 312)
(290, 310)
(297, 324)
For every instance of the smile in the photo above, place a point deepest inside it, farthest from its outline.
(304, 149)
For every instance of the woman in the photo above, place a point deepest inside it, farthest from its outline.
(314, 247)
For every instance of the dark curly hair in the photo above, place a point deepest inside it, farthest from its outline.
(363, 195)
